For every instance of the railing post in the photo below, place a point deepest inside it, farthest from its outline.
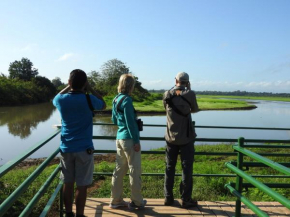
(239, 180)
(61, 202)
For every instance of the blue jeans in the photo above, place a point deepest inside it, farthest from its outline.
(187, 159)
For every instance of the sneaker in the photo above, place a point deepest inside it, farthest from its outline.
(169, 201)
(189, 203)
(133, 206)
(118, 205)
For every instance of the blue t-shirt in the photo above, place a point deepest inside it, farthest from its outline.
(77, 121)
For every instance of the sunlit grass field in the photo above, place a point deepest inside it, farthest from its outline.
(154, 103)
(284, 99)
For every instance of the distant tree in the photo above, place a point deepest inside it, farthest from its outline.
(57, 82)
(94, 78)
(139, 93)
(112, 70)
(46, 86)
(106, 81)
(22, 70)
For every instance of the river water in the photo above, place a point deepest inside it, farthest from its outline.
(22, 127)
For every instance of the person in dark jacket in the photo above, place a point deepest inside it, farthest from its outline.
(179, 103)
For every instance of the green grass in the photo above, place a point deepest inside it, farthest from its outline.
(14, 178)
(206, 103)
(284, 99)
(154, 103)
(205, 188)
(203, 103)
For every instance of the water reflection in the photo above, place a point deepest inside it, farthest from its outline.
(22, 127)
(104, 130)
(22, 120)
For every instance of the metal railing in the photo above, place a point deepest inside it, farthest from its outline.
(207, 153)
(8, 202)
(237, 168)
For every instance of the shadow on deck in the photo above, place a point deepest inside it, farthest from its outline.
(99, 207)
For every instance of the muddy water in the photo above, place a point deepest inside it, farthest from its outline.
(24, 126)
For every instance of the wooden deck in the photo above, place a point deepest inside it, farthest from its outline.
(99, 207)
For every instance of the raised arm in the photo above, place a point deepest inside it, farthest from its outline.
(65, 90)
(96, 94)
(194, 105)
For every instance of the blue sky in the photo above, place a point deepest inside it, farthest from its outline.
(223, 45)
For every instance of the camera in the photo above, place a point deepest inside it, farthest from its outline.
(140, 124)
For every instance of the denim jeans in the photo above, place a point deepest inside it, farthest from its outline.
(187, 159)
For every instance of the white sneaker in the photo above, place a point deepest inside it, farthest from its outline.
(133, 206)
(118, 205)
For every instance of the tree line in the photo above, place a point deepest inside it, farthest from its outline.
(24, 85)
(232, 93)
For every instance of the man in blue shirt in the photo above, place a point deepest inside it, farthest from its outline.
(76, 145)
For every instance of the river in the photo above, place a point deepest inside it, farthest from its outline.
(22, 127)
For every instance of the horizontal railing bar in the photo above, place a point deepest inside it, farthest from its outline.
(12, 163)
(162, 139)
(215, 127)
(163, 152)
(200, 139)
(242, 128)
(270, 185)
(162, 174)
(283, 200)
(275, 154)
(205, 175)
(51, 200)
(266, 146)
(197, 153)
(248, 203)
(264, 160)
(258, 164)
(6, 204)
(29, 207)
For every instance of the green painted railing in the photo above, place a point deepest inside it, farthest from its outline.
(8, 202)
(237, 168)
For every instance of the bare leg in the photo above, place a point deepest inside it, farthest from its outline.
(68, 190)
(81, 196)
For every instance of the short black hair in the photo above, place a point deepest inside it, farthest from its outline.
(78, 78)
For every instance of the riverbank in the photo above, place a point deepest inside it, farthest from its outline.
(267, 98)
(148, 112)
(37, 161)
(155, 105)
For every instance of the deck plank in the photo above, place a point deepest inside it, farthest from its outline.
(226, 208)
(99, 207)
(279, 208)
(216, 209)
(205, 210)
(269, 208)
